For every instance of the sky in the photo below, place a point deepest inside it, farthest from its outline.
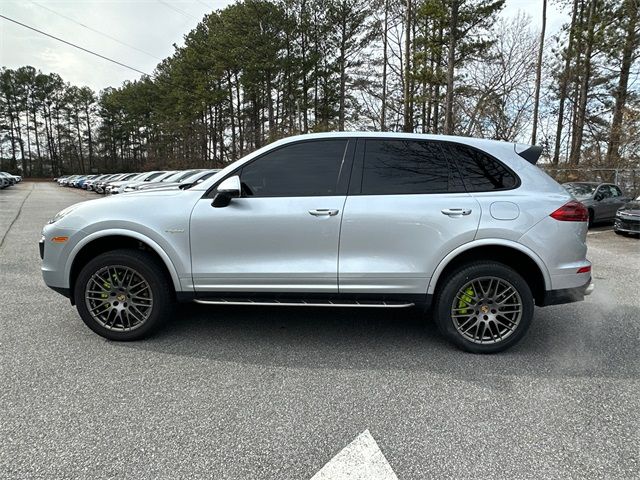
(138, 33)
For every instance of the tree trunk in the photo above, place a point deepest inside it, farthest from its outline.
(408, 114)
(342, 62)
(35, 129)
(89, 136)
(451, 59)
(621, 92)
(232, 118)
(536, 101)
(385, 60)
(564, 85)
(574, 156)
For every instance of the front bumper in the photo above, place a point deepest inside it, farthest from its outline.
(627, 225)
(566, 295)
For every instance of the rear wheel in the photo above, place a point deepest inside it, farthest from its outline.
(123, 294)
(484, 307)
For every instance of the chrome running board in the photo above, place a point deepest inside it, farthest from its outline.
(304, 303)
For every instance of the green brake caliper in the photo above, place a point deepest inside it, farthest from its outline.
(107, 286)
(465, 300)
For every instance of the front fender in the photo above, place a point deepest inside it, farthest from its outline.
(171, 267)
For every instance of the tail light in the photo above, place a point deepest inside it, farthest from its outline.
(571, 212)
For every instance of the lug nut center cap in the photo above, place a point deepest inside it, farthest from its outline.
(121, 297)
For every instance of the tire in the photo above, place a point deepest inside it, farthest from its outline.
(123, 295)
(618, 232)
(591, 217)
(478, 327)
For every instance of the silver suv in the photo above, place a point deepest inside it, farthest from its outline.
(469, 230)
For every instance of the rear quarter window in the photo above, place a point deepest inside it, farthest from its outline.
(480, 171)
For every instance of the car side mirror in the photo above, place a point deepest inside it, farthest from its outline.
(598, 197)
(228, 189)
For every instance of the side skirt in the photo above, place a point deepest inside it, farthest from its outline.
(303, 299)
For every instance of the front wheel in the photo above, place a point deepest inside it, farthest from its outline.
(123, 294)
(484, 307)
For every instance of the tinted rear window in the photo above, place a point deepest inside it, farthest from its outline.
(396, 167)
(481, 172)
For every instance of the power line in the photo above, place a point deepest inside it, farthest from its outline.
(179, 10)
(95, 30)
(75, 46)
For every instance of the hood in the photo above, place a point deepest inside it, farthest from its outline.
(153, 186)
(631, 208)
(118, 183)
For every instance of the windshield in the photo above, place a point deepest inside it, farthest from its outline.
(153, 176)
(198, 178)
(177, 177)
(186, 175)
(164, 176)
(580, 189)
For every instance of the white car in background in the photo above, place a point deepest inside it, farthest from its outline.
(187, 178)
(147, 177)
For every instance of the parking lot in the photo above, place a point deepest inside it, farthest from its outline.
(276, 393)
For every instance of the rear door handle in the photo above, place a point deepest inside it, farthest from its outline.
(456, 212)
(324, 212)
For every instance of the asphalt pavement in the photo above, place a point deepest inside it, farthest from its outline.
(275, 393)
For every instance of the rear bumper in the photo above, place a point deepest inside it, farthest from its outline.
(567, 295)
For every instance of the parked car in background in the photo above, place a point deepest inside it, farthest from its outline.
(89, 184)
(149, 177)
(10, 179)
(120, 187)
(114, 186)
(470, 229)
(100, 185)
(628, 219)
(170, 181)
(4, 181)
(601, 199)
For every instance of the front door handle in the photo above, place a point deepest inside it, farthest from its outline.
(456, 212)
(324, 212)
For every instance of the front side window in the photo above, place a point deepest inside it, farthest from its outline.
(299, 170)
(481, 172)
(603, 192)
(397, 167)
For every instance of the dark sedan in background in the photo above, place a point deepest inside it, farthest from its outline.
(602, 199)
(628, 219)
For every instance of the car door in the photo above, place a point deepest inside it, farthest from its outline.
(406, 210)
(601, 207)
(282, 234)
(617, 199)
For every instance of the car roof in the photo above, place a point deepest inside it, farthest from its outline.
(395, 135)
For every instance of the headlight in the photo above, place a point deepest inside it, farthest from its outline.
(63, 213)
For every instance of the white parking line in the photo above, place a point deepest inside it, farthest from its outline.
(600, 231)
(362, 459)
